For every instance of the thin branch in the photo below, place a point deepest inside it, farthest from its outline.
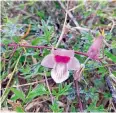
(69, 13)
(84, 29)
(78, 95)
(113, 25)
(40, 47)
(8, 84)
(52, 99)
(74, 20)
(32, 83)
(76, 7)
(63, 31)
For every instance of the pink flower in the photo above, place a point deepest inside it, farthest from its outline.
(61, 61)
(94, 50)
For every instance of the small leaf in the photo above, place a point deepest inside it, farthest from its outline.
(41, 14)
(18, 94)
(39, 90)
(111, 56)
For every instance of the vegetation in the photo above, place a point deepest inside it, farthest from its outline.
(31, 29)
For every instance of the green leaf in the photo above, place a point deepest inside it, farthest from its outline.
(73, 109)
(38, 40)
(18, 94)
(107, 95)
(16, 39)
(33, 71)
(39, 90)
(62, 90)
(55, 107)
(20, 109)
(102, 70)
(41, 14)
(92, 108)
(111, 56)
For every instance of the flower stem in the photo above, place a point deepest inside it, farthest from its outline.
(40, 47)
(78, 95)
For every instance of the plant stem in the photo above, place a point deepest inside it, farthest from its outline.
(78, 95)
(52, 99)
(63, 31)
(40, 47)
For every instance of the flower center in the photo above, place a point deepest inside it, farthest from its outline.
(61, 59)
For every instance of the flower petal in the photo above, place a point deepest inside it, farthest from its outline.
(48, 61)
(57, 79)
(60, 72)
(64, 52)
(74, 64)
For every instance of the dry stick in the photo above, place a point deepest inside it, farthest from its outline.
(52, 99)
(74, 20)
(32, 83)
(113, 25)
(84, 29)
(11, 76)
(69, 13)
(76, 7)
(77, 86)
(63, 31)
(78, 95)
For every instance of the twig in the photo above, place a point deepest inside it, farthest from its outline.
(52, 99)
(28, 14)
(76, 7)
(27, 32)
(69, 13)
(28, 46)
(74, 20)
(113, 25)
(40, 47)
(11, 76)
(95, 13)
(32, 83)
(104, 41)
(76, 84)
(15, 48)
(84, 29)
(78, 95)
(63, 31)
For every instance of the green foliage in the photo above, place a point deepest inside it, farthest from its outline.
(18, 94)
(62, 90)
(46, 37)
(39, 90)
(111, 56)
(41, 14)
(19, 109)
(55, 107)
(92, 108)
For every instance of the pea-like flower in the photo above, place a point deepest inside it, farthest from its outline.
(94, 50)
(61, 61)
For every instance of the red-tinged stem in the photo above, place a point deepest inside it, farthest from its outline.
(78, 95)
(40, 47)
(81, 53)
